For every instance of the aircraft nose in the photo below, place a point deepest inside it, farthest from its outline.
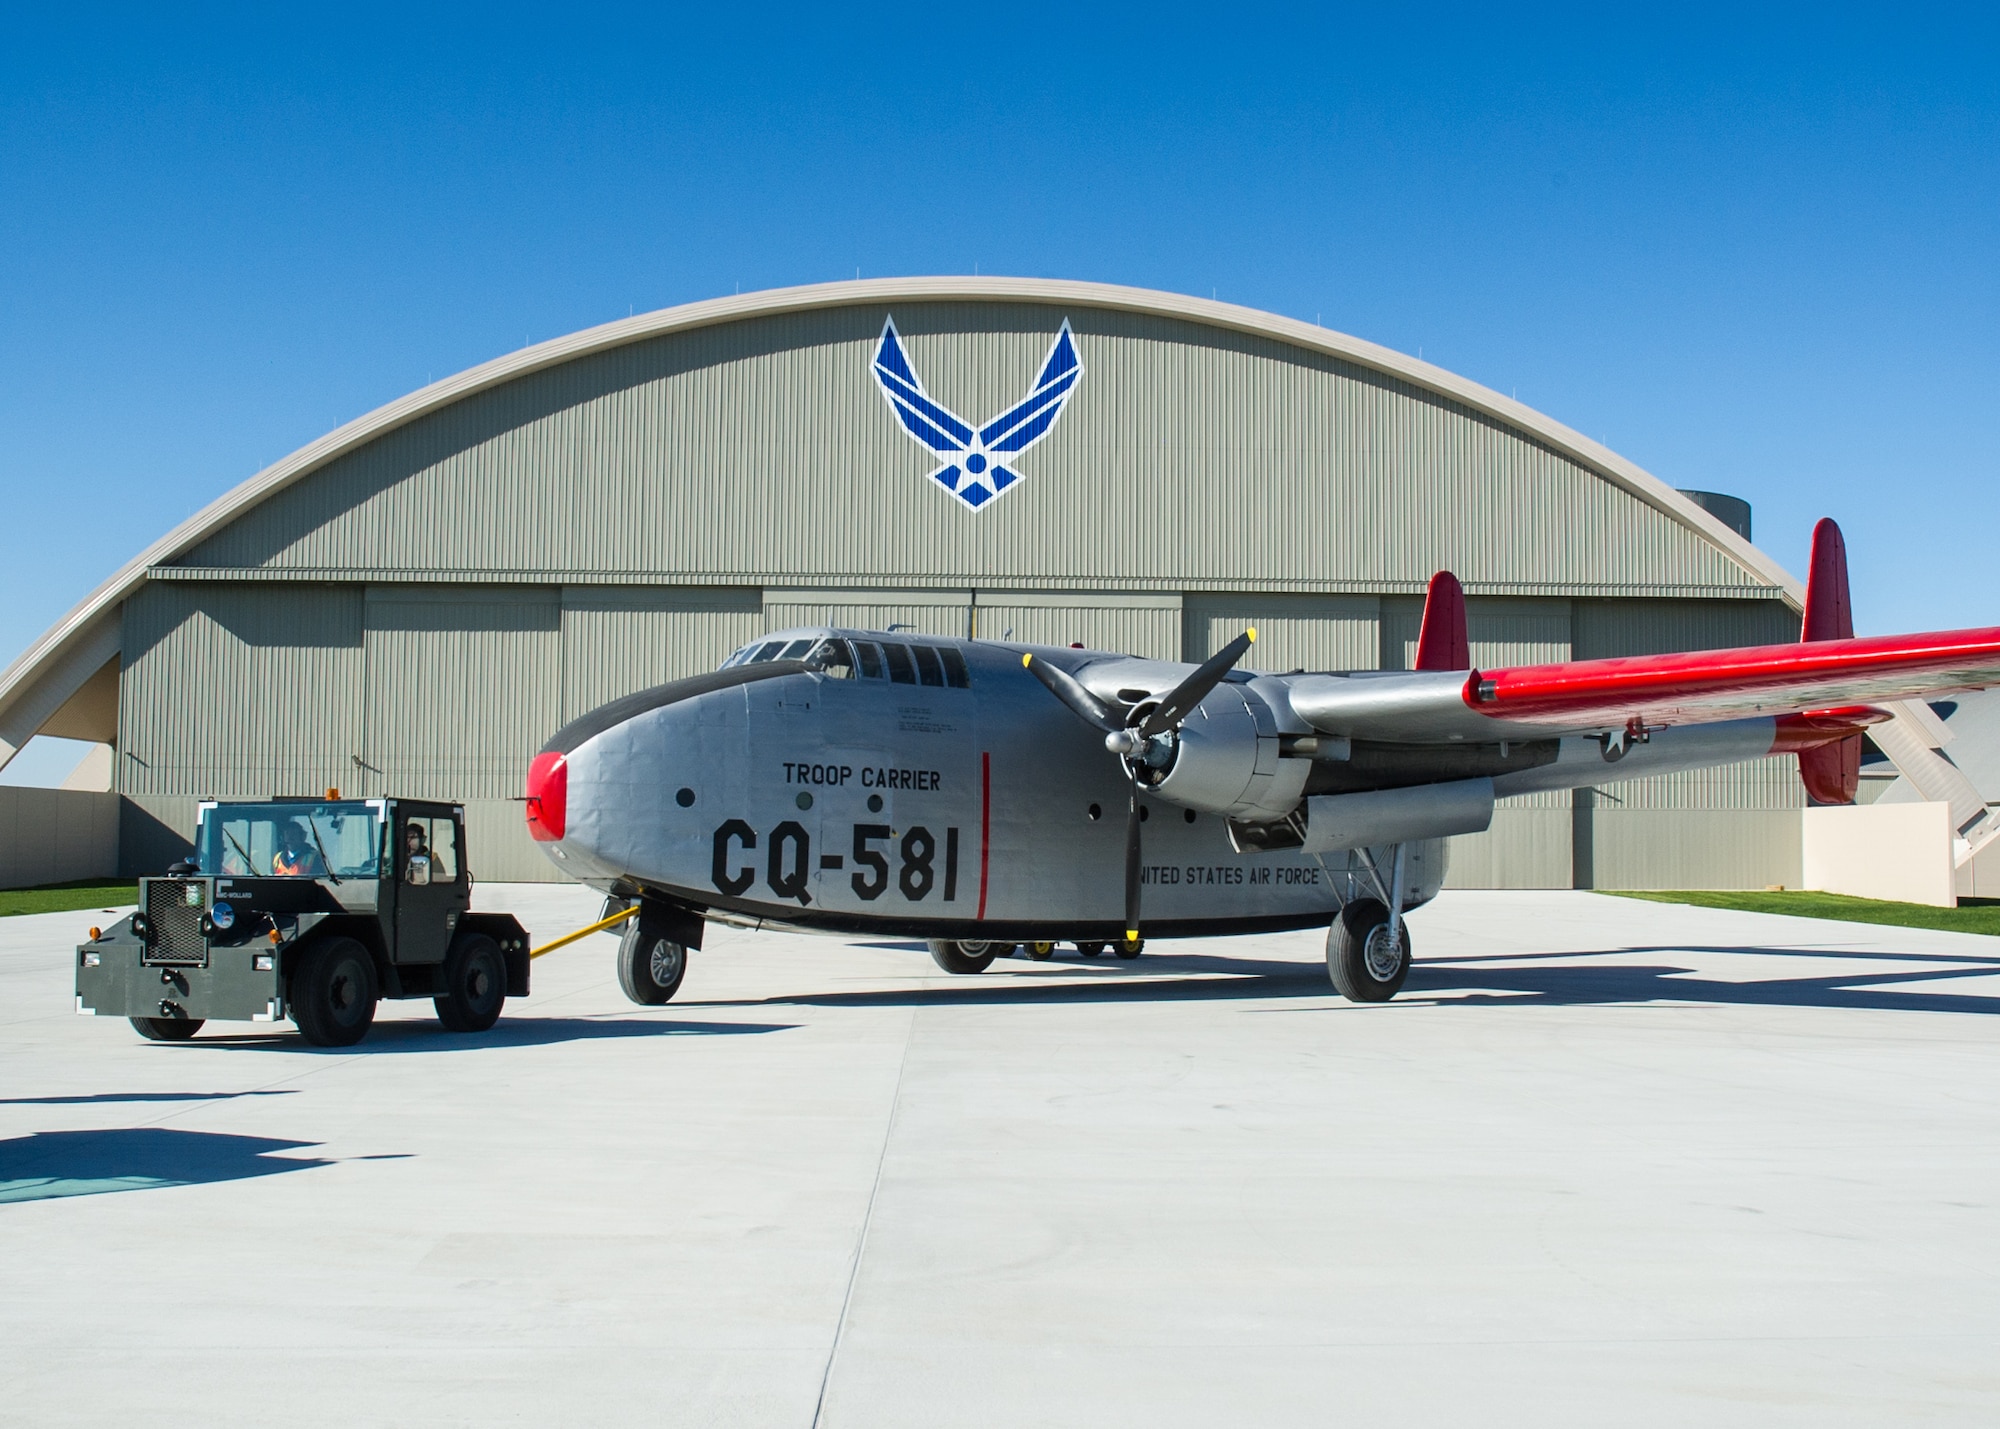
(548, 796)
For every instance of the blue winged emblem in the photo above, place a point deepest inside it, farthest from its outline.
(976, 463)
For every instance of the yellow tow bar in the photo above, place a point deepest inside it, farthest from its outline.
(599, 926)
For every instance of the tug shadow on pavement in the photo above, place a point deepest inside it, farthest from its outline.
(423, 1035)
(49, 1164)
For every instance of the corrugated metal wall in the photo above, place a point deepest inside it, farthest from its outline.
(238, 690)
(419, 615)
(617, 640)
(761, 453)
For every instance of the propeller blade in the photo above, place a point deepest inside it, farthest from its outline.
(1132, 863)
(1065, 687)
(1182, 699)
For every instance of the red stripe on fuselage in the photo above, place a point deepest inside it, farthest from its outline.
(985, 822)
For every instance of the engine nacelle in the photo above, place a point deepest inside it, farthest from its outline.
(1226, 760)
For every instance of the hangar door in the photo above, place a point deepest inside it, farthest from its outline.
(618, 640)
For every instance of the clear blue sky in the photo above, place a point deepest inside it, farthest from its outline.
(1755, 251)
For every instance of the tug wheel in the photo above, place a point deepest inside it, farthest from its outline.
(650, 969)
(1366, 965)
(1041, 952)
(475, 985)
(969, 956)
(1129, 948)
(166, 1029)
(334, 992)
(1091, 950)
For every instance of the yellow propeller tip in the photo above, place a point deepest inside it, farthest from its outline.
(1131, 935)
(1252, 633)
(1027, 660)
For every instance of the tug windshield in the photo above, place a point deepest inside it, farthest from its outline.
(303, 840)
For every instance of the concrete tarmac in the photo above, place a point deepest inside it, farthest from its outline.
(1602, 1162)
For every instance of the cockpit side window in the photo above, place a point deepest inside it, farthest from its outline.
(868, 659)
(930, 669)
(900, 668)
(955, 673)
(834, 659)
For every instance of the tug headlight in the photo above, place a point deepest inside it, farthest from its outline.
(222, 916)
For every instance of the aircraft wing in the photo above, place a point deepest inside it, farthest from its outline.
(1704, 686)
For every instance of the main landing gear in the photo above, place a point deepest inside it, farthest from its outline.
(966, 956)
(1368, 946)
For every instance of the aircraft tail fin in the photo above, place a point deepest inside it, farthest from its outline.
(1831, 772)
(1442, 643)
(1829, 613)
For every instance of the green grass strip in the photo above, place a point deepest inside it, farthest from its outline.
(1973, 915)
(67, 897)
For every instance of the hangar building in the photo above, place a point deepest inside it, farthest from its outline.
(414, 602)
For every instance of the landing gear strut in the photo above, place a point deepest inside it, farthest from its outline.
(1368, 946)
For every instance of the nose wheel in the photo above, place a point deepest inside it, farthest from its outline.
(650, 968)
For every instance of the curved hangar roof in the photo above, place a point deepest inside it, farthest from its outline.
(747, 441)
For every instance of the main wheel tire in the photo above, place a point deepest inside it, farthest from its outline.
(1040, 952)
(1364, 963)
(475, 985)
(1091, 950)
(650, 969)
(966, 957)
(1129, 948)
(166, 1029)
(334, 992)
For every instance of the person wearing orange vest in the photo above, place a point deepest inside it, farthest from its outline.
(296, 857)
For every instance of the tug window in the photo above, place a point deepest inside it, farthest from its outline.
(955, 673)
(900, 668)
(868, 657)
(930, 669)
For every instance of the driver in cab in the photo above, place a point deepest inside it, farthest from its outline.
(296, 857)
(416, 854)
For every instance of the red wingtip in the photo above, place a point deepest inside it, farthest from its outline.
(1442, 643)
(1829, 614)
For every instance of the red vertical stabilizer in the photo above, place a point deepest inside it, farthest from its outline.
(1832, 772)
(1442, 643)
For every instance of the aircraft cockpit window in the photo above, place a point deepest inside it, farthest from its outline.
(796, 650)
(868, 659)
(900, 668)
(955, 673)
(833, 658)
(767, 651)
(930, 669)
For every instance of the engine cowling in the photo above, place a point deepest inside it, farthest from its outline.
(1225, 760)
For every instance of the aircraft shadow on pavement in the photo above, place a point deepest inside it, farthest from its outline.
(1540, 982)
(1516, 979)
(47, 1165)
(97, 1098)
(389, 1038)
(1154, 977)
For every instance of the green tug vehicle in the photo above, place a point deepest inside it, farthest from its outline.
(310, 910)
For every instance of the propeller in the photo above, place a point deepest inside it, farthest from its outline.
(1134, 740)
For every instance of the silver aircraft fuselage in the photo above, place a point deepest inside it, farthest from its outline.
(784, 793)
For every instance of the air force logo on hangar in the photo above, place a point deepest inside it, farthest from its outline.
(977, 463)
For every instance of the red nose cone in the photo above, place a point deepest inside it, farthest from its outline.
(548, 797)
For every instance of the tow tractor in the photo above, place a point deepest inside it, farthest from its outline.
(312, 910)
